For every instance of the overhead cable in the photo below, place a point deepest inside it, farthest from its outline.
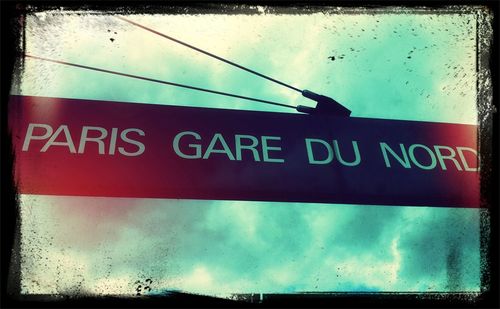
(159, 81)
(209, 54)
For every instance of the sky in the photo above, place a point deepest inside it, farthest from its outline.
(379, 64)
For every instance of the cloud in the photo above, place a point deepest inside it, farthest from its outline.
(210, 248)
(429, 239)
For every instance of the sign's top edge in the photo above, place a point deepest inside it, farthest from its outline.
(159, 105)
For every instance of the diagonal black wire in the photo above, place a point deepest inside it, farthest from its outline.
(209, 54)
(160, 81)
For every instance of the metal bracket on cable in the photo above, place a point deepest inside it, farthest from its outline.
(325, 106)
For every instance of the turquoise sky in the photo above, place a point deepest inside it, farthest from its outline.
(388, 64)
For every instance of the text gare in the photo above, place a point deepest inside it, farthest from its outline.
(191, 149)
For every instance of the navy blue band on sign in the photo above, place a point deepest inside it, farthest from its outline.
(101, 148)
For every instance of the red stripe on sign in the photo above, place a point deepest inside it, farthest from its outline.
(100, 148)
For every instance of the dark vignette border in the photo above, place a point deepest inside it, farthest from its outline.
(12, 19)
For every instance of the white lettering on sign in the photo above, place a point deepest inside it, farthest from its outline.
(403, 161)
(239, 146)
(429, 157)
(432, 164)
(464, 161)
(450, 157)
(196, 147)
(69, 142)
(125, 138)
(331, 150)
(29, 134)
(225, 148)
(266, 148)
(85, 138)
(218, 145)
(191, 145)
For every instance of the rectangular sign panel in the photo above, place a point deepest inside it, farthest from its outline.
(113, 149)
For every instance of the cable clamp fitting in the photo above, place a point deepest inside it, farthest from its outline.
(325, 106)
